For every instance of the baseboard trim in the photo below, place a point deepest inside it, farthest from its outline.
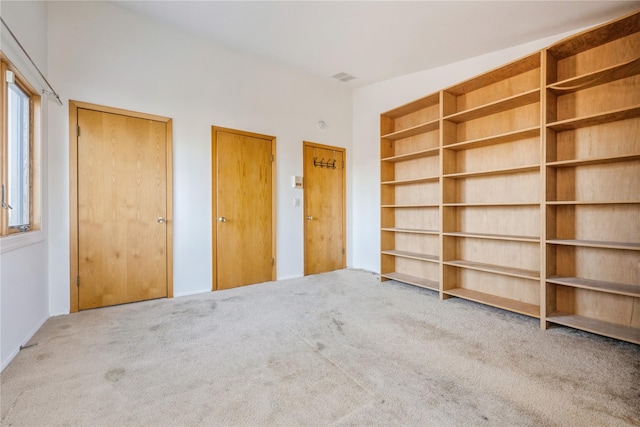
(16, 350)
(186, 294)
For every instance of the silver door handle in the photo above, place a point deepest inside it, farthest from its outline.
(161, 220)
(309, 218)
(222, 219)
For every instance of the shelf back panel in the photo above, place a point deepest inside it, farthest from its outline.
(427, 270)
(618, 309)
(518, 153)
(419, 243)
(501, 253)
(615, 95)
(608, 139)
(415, 118)
(594, 183)
(417, 168)
(425, 219)
(423, 141)
(605, 55)
(501, 220)
(494, 284)
(595, 264)
(422, 193)
(508, 188)
(495, 124)
(502, 89)
(611, 223)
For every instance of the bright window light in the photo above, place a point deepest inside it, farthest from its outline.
(19, 172)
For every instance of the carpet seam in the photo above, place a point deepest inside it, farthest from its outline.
(378, 399)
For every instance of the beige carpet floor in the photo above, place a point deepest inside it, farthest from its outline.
(333, 349)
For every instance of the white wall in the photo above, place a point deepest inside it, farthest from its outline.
(102, 53)
(24, 292)
(369, 102)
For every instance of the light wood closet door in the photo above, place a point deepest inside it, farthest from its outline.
(244, 217)
(324, 208)
(122, 199)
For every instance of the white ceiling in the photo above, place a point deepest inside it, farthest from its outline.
(375, 40)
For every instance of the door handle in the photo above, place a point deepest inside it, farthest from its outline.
(161, 220)
(309, 218)
(222, 219)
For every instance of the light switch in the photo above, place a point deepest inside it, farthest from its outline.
(296, 202)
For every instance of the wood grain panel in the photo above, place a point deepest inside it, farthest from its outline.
(420, 243)
(596, 305)
(614, 223)
(505, 220)
(427, 270)
(423, 115)
(417, 193)
(425, 218)
(497, 75)
(608, 182)
(324, 209)
(516, 153)
(611, 96)
(515, 188)
(121, 193)
(500, 123)
(502, 253)
(423, 141)
(592, 142)
(512, 288)
(596, 264)
(244, 240)
(417, 168)
(615, 52)
(510, 86)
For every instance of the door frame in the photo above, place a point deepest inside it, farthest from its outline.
(344, 199)
(74, 106)
(214, 198)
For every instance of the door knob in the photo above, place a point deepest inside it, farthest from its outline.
(222, 219)
(161, 220)
(309, 218)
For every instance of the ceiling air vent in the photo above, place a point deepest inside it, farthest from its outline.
(343, 77)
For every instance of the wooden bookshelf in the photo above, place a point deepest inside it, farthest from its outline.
(593, 175)
(491, 162)
(518, 188)
(410, 192)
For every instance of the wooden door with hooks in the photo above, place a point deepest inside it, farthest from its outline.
(324, 208)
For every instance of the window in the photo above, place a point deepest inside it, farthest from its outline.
(18, 169)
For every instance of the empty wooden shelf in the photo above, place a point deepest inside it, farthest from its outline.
(519, 188)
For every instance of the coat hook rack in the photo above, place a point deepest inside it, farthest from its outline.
(329, 164)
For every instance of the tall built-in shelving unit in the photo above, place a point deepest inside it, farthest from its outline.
(491, 194)
(520, 188)
(410, 192)
(593, 180)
